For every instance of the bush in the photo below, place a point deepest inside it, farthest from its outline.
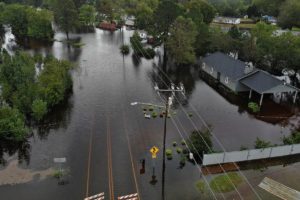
(125, 49)
(185, 151)
(200, 142)
(154, 114)
(149, 53)
(174, 144)
(182, 161)
(294, 138)
(169, 154)
(261, 144)
(254, 107)
(179, 150)
(183, 142)
(39, 109)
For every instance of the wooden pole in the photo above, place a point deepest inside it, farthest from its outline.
(295, 97)
(261, 99)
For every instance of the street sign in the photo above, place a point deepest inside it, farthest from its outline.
(154, 150)
(96, 197)
(59, 160)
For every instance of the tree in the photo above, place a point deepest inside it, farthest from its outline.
(136, 43)
(289, 14)
(268, 7)
(65, 15)
(12, 124)
(39, 24)
(54, 81)
(164, 16)
(144, 16)
(39, 109)
(202, 40)
(87, 15)
(17, 79)
(180, 43)
(200, 143)
(234, 32)
(107, 7)
(200, 11)
(16, 16)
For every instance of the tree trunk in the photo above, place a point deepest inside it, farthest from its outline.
(67, 33)
(165, 58)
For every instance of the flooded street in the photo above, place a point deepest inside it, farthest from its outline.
(104, 138)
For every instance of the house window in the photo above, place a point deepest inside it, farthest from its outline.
(226, 80)
(212, 70)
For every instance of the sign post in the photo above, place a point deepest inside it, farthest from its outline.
(154, 150)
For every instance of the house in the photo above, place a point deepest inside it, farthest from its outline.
(270, 19)
(239, 76)
(227, 20)
(108, 26)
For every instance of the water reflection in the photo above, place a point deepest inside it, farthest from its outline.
(9, 148)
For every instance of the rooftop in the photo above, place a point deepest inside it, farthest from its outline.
(226, 65)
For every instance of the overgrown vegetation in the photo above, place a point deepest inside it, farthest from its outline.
(200, 143)
(294, 138)
(26, 94)
(254, 107)
(261, 144)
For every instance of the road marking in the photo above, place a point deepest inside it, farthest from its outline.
(130, 153)
(109, 162)
(279, 189)
(134, 196)
(90, 156)
(96, 197)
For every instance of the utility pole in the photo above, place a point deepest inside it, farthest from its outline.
(168, 104)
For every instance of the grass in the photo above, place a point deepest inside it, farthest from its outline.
(225, 183)
(295, 29)
(201, 186)
(243, 25)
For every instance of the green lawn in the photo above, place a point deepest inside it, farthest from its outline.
(225, 183)
(201, 186)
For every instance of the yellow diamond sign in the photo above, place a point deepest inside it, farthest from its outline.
(154, 150)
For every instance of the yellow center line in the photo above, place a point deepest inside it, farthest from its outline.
(109, 162)
(89, 157)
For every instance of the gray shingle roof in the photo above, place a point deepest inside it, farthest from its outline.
(226, 65)
(263, 82)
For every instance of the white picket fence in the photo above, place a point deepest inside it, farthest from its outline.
(253, 154)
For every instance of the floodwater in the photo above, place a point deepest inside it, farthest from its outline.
(103, 137)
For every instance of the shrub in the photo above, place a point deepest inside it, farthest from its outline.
(39, 109)
(149, 53)
(200, 142)
(261, 144)
(179, 150)
(169, 154)
(183, 142)
(294, 138)
(154, 114)
(174, 144)
(125, 49)
(254, 107)
(182, 161)
(185, 151)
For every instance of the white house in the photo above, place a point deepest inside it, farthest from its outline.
(227, 20)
